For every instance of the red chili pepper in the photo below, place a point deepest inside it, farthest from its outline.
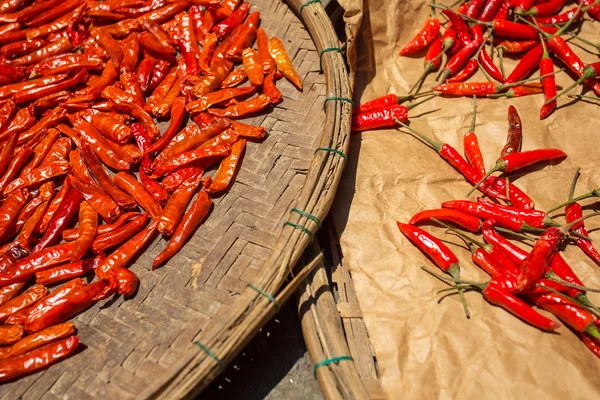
(97, 198)
(488, 65)
(453, 157)
(486, 211)
(135, 189)
(560, 18)
(491, 10)
(424, 38)
(119, 235)
(497, 295)
(191, 156)
(536, 263)
(564, 52)
(521, 6)
(459, 26)
(527, 64)
(143, 73)
(533, 218)
(547, 8)
(22, 301)
(15, 367)
(515, 161)
(460, 59)
(450, 40)
(270, 89)
(517, 47)
(573, 212)
(438, 252)
(245, 38)
(188, 43)
(228, 25)
(264, 56)
(509, 29)
(549, 84)
(121, 257)
(158, 193)
(514, 138)
(99, 144)
(73, 233)
(37, 176)
(466, 73)
(457, 217)
(9, 258)
(15, 166)
(188, 224)
(210, 44)
(67, 209)
(471, 146)
(66, 272)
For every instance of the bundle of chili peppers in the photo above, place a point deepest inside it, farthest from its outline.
(532, 30)
(520, 279)
(87, 179)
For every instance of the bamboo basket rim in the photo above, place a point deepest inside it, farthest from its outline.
(227, 335)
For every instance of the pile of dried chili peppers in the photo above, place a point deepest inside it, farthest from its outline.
(530, 29)
(520, 279)
(87, 179)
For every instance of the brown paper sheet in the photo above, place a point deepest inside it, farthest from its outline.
(427, 350)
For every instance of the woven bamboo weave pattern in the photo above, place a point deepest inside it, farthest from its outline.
(128, 344)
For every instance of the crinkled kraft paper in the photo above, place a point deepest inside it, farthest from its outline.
(427, 350)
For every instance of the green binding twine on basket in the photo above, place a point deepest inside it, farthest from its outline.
(307, 215)
(308, 3)
(302, 228)
(330, 361)
(267, 295)
(327, 50)
(347, 100)
(335, 151)
(210, 353)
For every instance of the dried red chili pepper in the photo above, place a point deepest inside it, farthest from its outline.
(111, 128)
(177, 204)
(227, 169)
(143, 73)
(7, 292)
(177, 177)
(226, 9)
(88, 225)
(73, 234)
(100, 146)
(158, 193)
(93, 91)
(7, 110)
(188, 43)
(110, 45)
(515, 132)
(52, 207)
(229, 24)
(19, 48)
(10, 334)
(188, 224)
(244, 39)
(264, 56)
(9, 258)
(177, 115)
(119, 235)
(517, 47)
(243, 108)
(97, 198)
(22, 301)
(37, 176)
(121, 257)
(38, 339)
(49, 120)
(34, 360)
(37, 261)
(60, 46)
(217, 97)
(515, 161)
(129, 184)
(191, 156)
(283, 62)
(270, 89)
(65, 211)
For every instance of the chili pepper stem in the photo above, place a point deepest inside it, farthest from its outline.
(580, 299)
(594, 45)
(422, 77)
(593, 193)
(579, 97)
(501, 60)
(474, 114)
(411, 106)
(588, 73)
(517, 234)
(553, 277)
(497, 167)
(434, 145)
(566, 228)
(574, 183)
(454, 272)
(466, 238)
(592, 330)
(503, 87)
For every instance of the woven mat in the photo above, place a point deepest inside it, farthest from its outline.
(128, 343)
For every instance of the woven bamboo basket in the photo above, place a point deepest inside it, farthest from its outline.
(191, 317)
(334, 331)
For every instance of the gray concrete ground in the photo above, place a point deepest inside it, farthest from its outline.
(274, 365)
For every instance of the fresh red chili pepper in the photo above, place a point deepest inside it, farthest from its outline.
(188, 224)
(564, 52)
(547, 8)
(381, 118)
(456, 63)
(533, 218)
(517, 47)
(486, 211)
(471, 146)
(497, 295)
(560, 18)
(573, 212)
(453, 157)
(515, 161)
(549, 84)
(521, 6)
(474, 8)
(534, 266)
(457, 217)
(491, 10)
(509, 29)
(466, 73)
(459, 26)
(527, 64)
(423, 39)
(488, 65)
